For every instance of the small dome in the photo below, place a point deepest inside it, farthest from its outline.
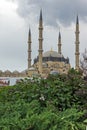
(52, 54)
(15, 72)
(54, 72)
(32, 69)
(7, 72)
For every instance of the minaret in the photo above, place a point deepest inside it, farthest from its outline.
(29, 49)
(40, 42)
(77, 45)
(59, 43)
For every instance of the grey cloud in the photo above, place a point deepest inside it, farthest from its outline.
(13, 43)
(62, 11)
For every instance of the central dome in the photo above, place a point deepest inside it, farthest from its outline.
(52, 54)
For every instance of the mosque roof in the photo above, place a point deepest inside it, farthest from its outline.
(15, 72)
(32, 69)
(52, 54)
(7, 71)
(54, 72)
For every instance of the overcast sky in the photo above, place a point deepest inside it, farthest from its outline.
(16, 16)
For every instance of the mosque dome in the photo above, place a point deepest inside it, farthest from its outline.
(7, 72)
(54, 72)
(15, 72)
(32, 69)
(52, 54)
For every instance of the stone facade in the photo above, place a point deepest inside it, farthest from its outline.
(48, 66)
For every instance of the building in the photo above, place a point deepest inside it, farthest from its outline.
(51, 61)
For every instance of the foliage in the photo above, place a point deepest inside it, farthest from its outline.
(55, 103)
(83, 64)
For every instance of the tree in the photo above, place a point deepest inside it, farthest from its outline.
(55, 103)
(83, 64)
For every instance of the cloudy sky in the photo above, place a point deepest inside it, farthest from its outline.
(16, 16)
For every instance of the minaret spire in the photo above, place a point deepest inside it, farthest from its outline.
(77, 20)
(40, 41)
(29, 49)
(77, 45)
(41, 19)
(59, 43)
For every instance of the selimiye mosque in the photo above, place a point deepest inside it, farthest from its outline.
(50, 61)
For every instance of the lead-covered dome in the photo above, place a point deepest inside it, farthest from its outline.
(52, 54)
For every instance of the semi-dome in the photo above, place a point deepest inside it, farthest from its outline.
(52, 54)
